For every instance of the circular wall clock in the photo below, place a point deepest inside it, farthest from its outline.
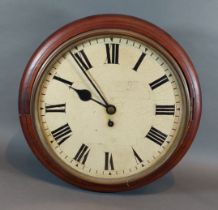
(109, 103)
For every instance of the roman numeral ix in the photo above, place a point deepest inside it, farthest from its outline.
(112, 52)
(156, 136)
(55, 108)
(165, 109)
(62, 133)
(109, 164)
(82, 154)
(82, 60)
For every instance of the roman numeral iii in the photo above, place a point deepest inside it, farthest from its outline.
(82, 154)
(82, 60)
(165, 109)
(156, 136)
(55, 108)
(159, 82)
(112, 52)
(109, 164)
(62, 133)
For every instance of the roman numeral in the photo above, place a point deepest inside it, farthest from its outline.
(159, 82)
(141, 58)
(109, 164)
(82, 60)
(62, 133)
(137, 157)
(82, 154)
(165, 109)
(62, 80)
(55, 108)
(112, 52)
(156, 136)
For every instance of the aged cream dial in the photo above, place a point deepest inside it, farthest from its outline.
(110, 108)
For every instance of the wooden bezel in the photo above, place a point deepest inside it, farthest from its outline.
(107, 22)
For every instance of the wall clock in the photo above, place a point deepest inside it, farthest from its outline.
(109, 103)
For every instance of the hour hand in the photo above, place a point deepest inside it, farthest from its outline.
(85, 95)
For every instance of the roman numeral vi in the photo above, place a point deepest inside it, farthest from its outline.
(109, 164)
(82, 60)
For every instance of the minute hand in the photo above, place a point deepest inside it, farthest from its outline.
(93, 84)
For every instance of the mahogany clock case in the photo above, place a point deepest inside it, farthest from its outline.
(106, 22)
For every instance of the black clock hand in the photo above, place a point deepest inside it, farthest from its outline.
(87, 76)
(85, 95)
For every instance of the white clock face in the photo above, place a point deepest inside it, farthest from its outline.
(110, 109)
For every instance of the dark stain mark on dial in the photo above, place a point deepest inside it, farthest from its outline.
(110, 123)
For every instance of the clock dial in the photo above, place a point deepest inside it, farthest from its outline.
(110, 107)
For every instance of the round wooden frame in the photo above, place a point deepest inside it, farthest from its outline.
(106, 22)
